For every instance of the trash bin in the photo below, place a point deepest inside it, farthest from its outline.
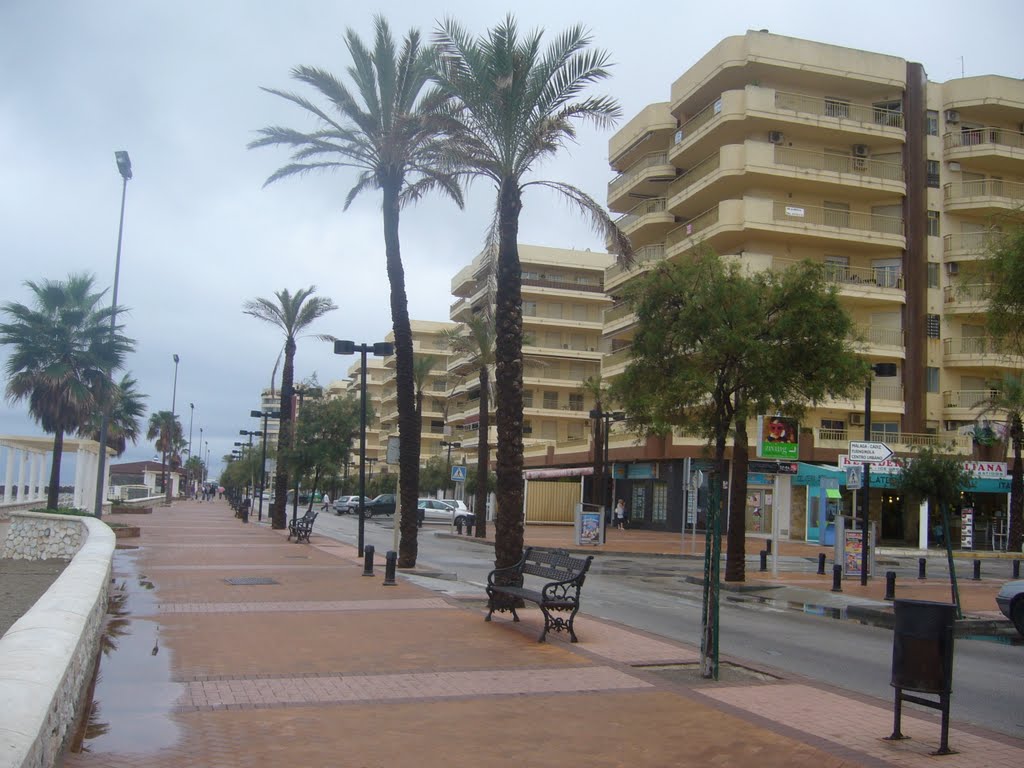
(922, 646)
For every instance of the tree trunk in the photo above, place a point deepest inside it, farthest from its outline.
(1015, 515)
(735, 553)
(597, 488)
(53, 490)
(408, 421)
(482, 455)
(279, 511)
(508, 380)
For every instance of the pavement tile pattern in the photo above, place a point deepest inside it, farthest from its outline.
(327, 668)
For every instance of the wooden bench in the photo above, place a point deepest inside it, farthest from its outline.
(301, 527)
(558, 596)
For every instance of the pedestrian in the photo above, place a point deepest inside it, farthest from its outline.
(620, 515)
(327, 502)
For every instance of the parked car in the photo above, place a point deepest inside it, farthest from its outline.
(444, 510)
(349, 505)
(1011, 602)
(382, 505)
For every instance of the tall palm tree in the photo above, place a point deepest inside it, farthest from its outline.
(165, 429)
(126, 408)
(421, 368)
(393, 136)
(292, 314)
(474, 340)
(1007, 398)
(516, 105)
(63, 353)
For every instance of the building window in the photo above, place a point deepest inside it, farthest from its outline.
(575, 402)
(837, 107)
(931, 379)
(933, 275)
(551, 400)
(885, 430)
(933, 174)
(833, 425)
(529, 308)
(659, 508)
(527, 398)
(933, 224)
(932, 326)
(931, 122)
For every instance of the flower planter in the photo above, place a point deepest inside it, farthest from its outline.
(127, 532)
(119, 509)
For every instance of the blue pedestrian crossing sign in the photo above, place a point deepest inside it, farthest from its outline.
(458, 473)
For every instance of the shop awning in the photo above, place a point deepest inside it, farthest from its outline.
(833, 493)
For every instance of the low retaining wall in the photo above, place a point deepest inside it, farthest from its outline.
(46, 658)
(39, 536)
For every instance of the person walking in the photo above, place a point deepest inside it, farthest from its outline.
(327, 502)
(620, 515)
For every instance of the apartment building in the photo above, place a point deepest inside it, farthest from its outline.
(376, 433)
(563, 304)
(772, 150)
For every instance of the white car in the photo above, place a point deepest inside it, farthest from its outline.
(346, 505)
(1011, 602)
(443, 510)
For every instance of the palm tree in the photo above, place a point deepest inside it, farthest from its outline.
(291, 314)
(421, 368)
(396, 140)
(516, 105)
(1008, 398)
(474, 339)
(63, 353)
(165, 430)
(126, 408)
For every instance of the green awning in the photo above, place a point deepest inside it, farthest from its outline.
(833, 493)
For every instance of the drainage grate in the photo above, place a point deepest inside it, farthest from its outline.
(242, 580)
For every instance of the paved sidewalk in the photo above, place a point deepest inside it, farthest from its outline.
(326, 667)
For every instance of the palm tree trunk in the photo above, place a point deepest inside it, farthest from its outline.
(1015, 515)
(408, 420)
(482, 455)
(735, 551)
(53, 490)
(279, 513)
(597, 489)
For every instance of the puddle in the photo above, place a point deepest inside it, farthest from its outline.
(812, 609)
(132, 694)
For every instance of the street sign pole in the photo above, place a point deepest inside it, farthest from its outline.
(864, 541)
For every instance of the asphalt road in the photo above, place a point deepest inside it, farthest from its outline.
(650, 594)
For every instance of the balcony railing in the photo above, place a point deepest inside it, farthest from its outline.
(825, 161)
(968, 242)
(695, 225)
(636, 170)
(644, 255)
(897, 440)
(563, 285)
(825, 106)
(968, 398)
(967, 293)
(704, 168)
(845, 276)
(883, 337)
(972, 137)
(972, 345)
(984, 188)
(618, 311)
(654, 205)
(837, 217)
(618, 357)
(700, 119)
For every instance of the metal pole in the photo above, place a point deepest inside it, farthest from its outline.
(101, 468)
(174, 403)
(263, 468)
(606, 490)
(362, 446)
(864, 515)
(188, 469)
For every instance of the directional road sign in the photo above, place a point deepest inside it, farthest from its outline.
(458, 473)
(861, 451)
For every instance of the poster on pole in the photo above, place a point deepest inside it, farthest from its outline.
(589, 524)
(852, 546)
(778, 438)
(967, 528)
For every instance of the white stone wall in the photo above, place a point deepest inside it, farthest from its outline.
(46, 658)
(39, 536)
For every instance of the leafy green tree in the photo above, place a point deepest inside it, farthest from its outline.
(61, 359)
(1007, 400)
(434, 475)
(474, 340)
(126, 409)
(938, 477)
(516, 104)
(394, 136)
(292, 314)
(165, 429)
(195, 469)
(323, 436)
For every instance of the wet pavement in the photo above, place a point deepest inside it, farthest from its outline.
(229, 646)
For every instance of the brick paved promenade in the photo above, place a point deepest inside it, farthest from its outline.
(327, 667)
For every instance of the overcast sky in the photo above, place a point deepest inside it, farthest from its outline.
(176, 84)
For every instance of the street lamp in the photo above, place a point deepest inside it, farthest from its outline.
(257, 433)
(450, 445)
(607, 418)
(170, 431)
(877, 369)
(263, 462)
(380, 349)
(300, 391)
(188, 469)
(124, 167)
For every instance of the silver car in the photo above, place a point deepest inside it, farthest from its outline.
(441, 510)
(1011, 602)
(346, 505)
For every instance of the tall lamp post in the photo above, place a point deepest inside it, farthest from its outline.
(188, 469)
(877, 369)
(170, 436)
(124, 167)
(448, 463)
(263, 461)
(300, 391)
(380, 349)
(257, 433)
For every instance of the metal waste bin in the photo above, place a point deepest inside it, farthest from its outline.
(922, 659)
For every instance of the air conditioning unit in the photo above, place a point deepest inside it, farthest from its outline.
(776, 137)
(952, 116)
(860, 150)
(952, 267)
(856, 419)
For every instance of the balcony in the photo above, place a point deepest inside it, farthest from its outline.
(900, 442)
(616, 362)
(966, 298)
(872, 284)
(643, 257)
(977, 352)
(838, 109)
(647, 222)
(968, 245)
(991, 149)
(839, 223)
(684, 232)
(985, 197)
(883, 342)
(966, 404)
(858, 168)
(564, 285)
(618, 318)
(645, 178)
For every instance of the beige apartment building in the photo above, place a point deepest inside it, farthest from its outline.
(772, 150)
(563, 305)
(376, 435)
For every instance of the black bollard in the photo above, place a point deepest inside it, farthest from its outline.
(764, 560)
(469, 526)
(768, 546)
(368, 560)
(458, 526)
(837, 578)
(890, 585)
(922, 565)
(1016, 569)
(390, 559)
(977, 570)
(821, 563)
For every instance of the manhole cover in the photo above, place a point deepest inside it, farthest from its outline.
(243, 580)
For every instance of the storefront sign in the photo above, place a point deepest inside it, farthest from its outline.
(773, 467)
(967, 528)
